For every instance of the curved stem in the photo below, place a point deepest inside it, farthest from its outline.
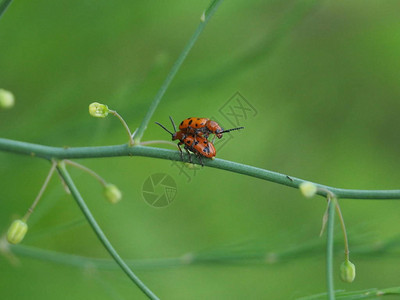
(48, 152)
(329, 247)
(248, 254)
(346, 241)
(203, 21)
(46, 182)
(114, 113)
(100, 234)
(87, 170)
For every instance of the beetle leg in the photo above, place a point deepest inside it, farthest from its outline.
(180, 150)
(190, 157)
(201, 160)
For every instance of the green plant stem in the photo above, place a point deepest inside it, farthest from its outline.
(373, 293)
(87, 170)
(43, 188)
(203, 22)
(3, 6)
(346, 241)
(329, 247)
(85, 210)
(64, 185)
(49, 153)
(257, 53)
(114, 113)
(247, 256)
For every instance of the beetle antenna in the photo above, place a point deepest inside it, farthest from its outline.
(232, 129)
(162, 126)
(173, 123)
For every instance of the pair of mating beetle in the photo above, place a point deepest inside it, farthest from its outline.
(193, 134)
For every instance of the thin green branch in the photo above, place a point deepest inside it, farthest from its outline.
(373, 293)
(203, 22)
(87, 170)
(3, 6)
(114, 113)
(342, 224)
(233, 254)
(44, 186)
(48, 152)
(100, 263)
(329, 247)
(102, 237)
(246, 254)
(254, 54)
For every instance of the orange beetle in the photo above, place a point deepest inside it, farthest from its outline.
(199, 145)
(203, 127)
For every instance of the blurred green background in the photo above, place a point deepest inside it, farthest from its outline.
(324, 78)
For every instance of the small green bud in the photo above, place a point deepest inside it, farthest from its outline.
(98, 110)
(112, 193)
(17, 231)
(347, 271)
(6, 99)
(308, 189)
